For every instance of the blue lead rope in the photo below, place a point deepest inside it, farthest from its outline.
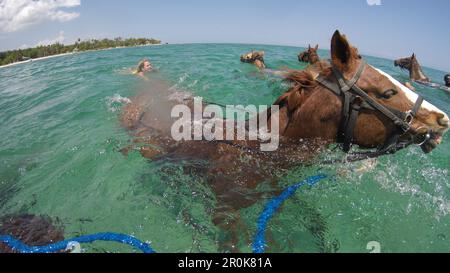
(107, 236)
(273, 205)
(259, 243)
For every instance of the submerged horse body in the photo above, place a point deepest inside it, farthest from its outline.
(310, 117)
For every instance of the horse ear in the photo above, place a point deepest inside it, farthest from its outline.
(341, 52)
(317, 46)
(413, 56)
(309, 46)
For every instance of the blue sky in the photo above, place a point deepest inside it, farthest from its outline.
(396, 28)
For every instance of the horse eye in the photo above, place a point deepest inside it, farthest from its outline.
(389, 94)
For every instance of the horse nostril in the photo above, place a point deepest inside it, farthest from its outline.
(444, 122)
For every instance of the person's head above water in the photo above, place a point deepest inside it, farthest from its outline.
(144, 66)
(447, 80)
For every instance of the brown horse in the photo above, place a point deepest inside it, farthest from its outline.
(310, 117)
(412, 65)
(31, 230)
(254, 57)
(310, 55)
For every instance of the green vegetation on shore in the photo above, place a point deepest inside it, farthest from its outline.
(18, 55)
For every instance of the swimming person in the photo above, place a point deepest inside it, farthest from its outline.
(446, 87)
(144, 66)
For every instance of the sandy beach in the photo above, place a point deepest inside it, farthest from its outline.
(37, 59)
(71, 53)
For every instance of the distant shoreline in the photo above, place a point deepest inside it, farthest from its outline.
(73, 53)
(440, 70)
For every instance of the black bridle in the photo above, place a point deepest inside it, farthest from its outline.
(354, 100)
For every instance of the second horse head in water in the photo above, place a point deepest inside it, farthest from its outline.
(254, 57)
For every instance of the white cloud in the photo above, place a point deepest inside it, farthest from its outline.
(19, 14)
(374, 2)
(59, 39)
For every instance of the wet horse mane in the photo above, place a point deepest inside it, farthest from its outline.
(306, 79)
(303, 82)
(301, 79)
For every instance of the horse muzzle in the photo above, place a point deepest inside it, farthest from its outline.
(429, 145)
(428, 141)
(427, 138)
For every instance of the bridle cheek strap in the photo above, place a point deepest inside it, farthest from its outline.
(355, 99)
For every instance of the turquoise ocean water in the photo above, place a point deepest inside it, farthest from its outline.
(60, 136)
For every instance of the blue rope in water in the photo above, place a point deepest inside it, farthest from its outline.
(259, 243)
(273, 205)
(107, 236)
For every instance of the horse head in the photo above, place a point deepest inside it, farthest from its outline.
(309, 55)
(412, 65)
(310, 110)
(254, 57)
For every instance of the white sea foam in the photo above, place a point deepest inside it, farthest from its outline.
(432, 197)
(180, 96)
(181, 80)
(115, 102)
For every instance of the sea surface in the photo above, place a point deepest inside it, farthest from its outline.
(60, 138)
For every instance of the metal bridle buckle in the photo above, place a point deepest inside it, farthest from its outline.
(427, 137)
(409, 117)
